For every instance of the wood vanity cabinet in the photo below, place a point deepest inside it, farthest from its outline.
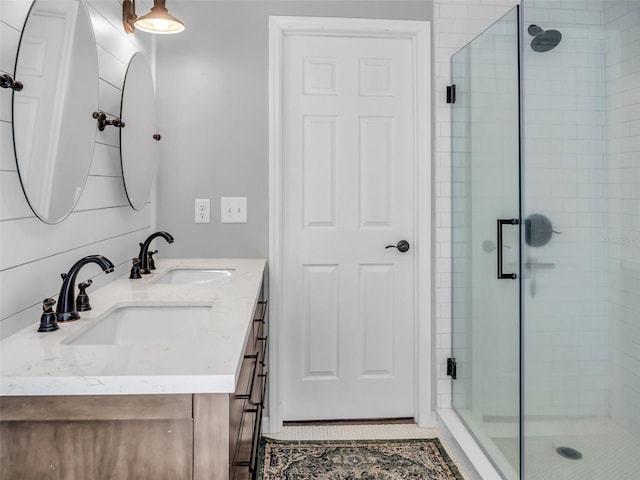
(137, 437)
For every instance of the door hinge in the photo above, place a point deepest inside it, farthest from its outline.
(451, 94)
(451, 368)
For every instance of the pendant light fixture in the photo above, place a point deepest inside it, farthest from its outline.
(158, 20)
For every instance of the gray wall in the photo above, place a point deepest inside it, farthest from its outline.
(213, 106)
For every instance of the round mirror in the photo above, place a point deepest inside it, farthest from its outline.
(53, 129)
(137, 139)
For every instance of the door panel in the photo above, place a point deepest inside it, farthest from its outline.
(375, 164)
(319, 171)
(377, 304)
(321, 317)
(348, 192)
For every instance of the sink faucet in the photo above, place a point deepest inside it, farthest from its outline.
(144, 250)
(66, 309)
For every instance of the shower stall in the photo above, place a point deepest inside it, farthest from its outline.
(546, 240)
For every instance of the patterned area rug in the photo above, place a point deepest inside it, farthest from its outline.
(356, 459)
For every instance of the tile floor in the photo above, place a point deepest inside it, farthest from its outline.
(608, 451)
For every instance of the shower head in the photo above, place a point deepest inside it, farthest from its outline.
(543, 40)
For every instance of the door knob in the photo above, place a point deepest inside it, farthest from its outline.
(402, 246)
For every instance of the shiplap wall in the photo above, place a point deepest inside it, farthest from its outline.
(32, 253)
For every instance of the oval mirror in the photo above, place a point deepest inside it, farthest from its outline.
(53, 129)
(137, 143)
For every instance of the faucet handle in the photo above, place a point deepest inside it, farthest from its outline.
(49, 319)
(47, 305)
(82, 300)
(135, 269)
(152, 264)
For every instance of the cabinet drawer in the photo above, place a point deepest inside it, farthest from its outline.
(258, 387)
(238, 401)
(243, 465)
(248, 428)
(246, 465)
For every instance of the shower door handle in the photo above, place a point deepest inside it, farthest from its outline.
(501, 223)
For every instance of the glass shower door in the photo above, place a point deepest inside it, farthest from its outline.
(486, 241)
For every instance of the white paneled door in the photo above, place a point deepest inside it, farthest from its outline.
(348, 192)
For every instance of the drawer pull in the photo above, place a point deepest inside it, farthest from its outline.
(264, 389)
(264, 352)
(262, 311)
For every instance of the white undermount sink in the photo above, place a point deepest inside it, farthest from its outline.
(144, 325)
(194, 276)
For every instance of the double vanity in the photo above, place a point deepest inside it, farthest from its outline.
(164, 378)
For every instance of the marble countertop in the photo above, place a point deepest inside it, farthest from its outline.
(33, 363)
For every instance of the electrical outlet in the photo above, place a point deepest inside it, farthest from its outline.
(203, 210)
(233, 209)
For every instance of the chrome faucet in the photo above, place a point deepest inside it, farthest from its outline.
(144, 250)
(66, 309)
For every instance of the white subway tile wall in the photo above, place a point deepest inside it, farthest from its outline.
(32, 253)
(566, 322)
(622, 20)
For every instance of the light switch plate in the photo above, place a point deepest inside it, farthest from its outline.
(233, 209)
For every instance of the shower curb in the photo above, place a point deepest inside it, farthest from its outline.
(468, 454)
